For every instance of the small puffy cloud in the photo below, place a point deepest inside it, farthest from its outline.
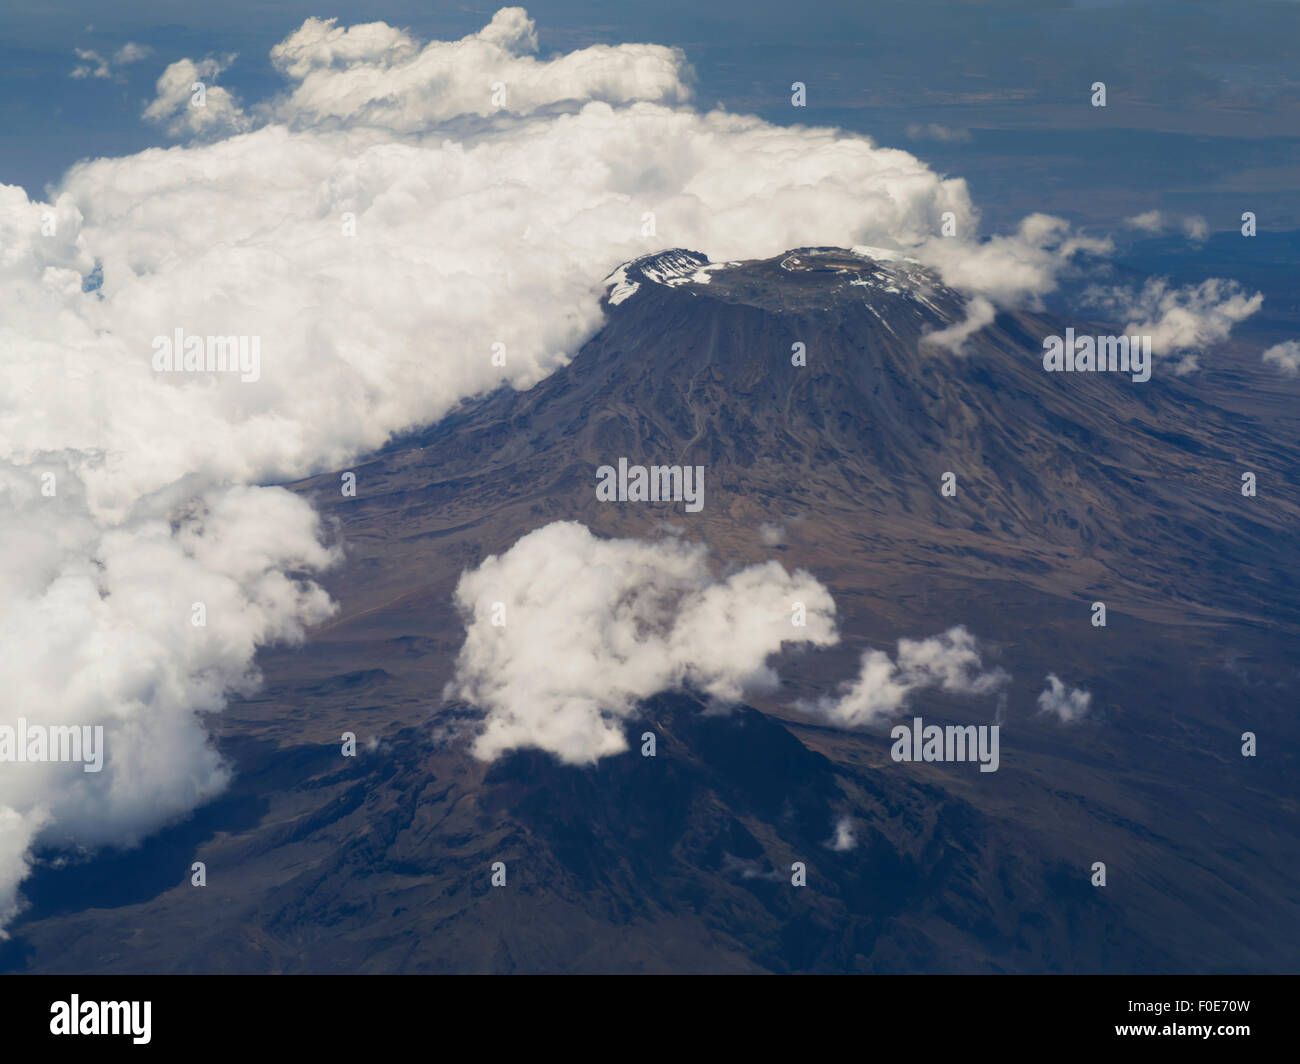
(934, 131)
(1147, 221)
(1182, 322)
(948, 662)
(844, 838)
(184, 109)
(323, 45)
(1286, 356)
(1067, 704)
(979, 313)
(587, 627)
(1192, 226)
(131, 53)
(771, 534)
(94, 65)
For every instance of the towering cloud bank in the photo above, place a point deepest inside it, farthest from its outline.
(133, 627)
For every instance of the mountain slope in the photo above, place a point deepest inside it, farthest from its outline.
(1071, 488)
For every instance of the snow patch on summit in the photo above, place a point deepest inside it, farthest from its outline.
(669, 268)
(620, 288)
(881, 254)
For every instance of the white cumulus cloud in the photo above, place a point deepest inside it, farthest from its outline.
(1286, 356)
(92, 65)
(209, 109)
(844, 838)
(376, 75)
(591, 626)
(1067, 704)
(97, 631)
(1192, 226)
(950, 662)
(1183, 322)
(1008, 271)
